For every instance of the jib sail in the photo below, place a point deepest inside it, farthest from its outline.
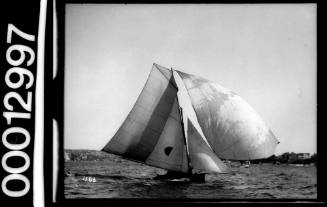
(203, 159)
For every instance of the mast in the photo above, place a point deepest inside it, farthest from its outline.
(184, 134)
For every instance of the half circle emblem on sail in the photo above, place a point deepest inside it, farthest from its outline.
(152, 132)
(231, 126)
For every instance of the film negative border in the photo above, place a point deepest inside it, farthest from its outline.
(59, 125)
(32, 69)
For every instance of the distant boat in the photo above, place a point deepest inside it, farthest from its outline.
(184, 124)
(247, 164)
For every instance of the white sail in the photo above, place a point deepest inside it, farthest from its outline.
(170, 151)
(152, 132)
(202, 158)
(230, 125)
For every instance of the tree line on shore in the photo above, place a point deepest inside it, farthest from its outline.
(289, 158)
(285, 158)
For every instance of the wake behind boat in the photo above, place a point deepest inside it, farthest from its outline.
(185, 124)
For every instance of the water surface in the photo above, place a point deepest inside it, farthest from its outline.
(119, 178)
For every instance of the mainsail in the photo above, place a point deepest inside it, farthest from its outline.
(161, 132)
(152, 132)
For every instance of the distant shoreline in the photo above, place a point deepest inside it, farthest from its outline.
(285, 158)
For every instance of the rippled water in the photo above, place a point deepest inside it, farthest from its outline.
(118, 178)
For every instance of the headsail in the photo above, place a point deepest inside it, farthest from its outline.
(203, 159)
(152, 132)
(232, 128)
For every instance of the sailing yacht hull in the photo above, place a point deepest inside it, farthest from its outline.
(172, 176)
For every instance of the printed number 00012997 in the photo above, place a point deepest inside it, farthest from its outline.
(25, 80)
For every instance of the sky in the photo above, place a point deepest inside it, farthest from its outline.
(265, 53)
